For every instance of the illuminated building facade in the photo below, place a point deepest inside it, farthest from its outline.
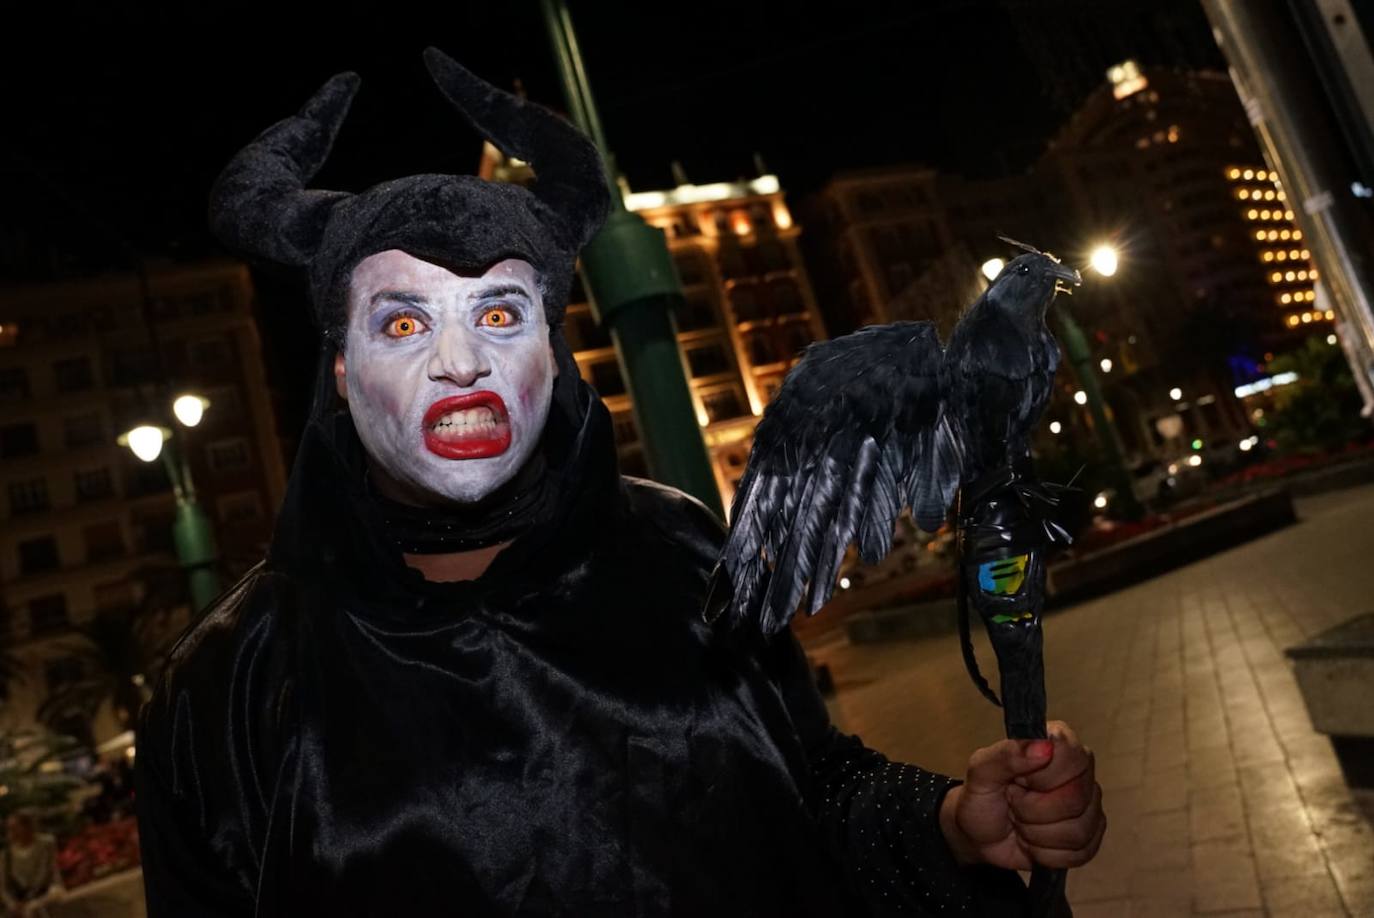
(1143, 164)
(749, 309)
(1278, 244)
(749, 312)
(82, 517)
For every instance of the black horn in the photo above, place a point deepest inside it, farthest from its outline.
(567, 166)
(260, 204)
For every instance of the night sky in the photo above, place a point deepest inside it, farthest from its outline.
(120, 118)
(116, 120)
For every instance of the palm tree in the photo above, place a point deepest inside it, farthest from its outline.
(31, 770)
(119, 653)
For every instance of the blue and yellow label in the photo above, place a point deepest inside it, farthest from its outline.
(1003, 577)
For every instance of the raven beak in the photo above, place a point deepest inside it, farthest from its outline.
(1065, 279)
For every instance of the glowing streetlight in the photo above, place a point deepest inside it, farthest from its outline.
(192, 535)
(1175, 393)
(844, 583)
(1101, 502)
(189, 409)
(993, 267)
(1106, 364)
(1103, 260)
(1055, 427)
(145, 441)
(1080, 397)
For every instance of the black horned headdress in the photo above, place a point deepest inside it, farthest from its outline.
(260, 204)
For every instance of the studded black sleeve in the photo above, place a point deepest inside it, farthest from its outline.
(881, 818)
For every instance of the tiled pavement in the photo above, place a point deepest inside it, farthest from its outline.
(1221, 799)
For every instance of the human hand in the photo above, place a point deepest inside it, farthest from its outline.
(1027, 802)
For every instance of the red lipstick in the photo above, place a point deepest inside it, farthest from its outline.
(481, 442)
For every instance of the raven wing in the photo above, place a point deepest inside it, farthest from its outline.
(856, 433)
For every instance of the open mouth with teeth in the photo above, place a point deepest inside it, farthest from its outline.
(471, 426)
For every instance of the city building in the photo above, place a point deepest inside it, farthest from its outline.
(749, 311)
(83, 519)
(1153, 163)
(895, 243)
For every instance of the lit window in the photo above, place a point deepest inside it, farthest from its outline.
(1283, 235)
(1282, 255)
(1286, 298)
(1243, 193)
(1248, 174)
(1282, 197)
(1233, 172)
(1259, 235)
(1288, 215)
(1268, 256)
(1297, 234)
(1261, 175)
(1251, 214)
(1292, 320)
(1302, 275)
(1312, 274)
(1306, 253)
(1276, 276)
(1306, 317)
(1269, 195)
(1330, 315)
(1290, 276)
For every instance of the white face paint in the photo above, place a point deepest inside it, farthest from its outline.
(448, 377)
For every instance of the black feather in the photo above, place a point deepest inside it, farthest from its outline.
(835, 459)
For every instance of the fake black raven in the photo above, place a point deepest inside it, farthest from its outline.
(871, 423)
(882, 420)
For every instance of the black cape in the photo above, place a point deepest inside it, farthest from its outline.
(563, 735)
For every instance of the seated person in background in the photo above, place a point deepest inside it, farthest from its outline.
(28, 868)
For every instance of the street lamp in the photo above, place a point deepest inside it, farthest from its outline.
(145, 441)
(189, 409)
(992, 267)
(192, 536)
(1104, 261)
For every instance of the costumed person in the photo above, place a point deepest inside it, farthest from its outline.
(29, 880)
(473, 675)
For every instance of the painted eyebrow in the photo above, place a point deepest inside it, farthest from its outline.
(499, 290)
(397, 296)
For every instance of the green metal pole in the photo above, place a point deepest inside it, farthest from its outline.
(1080, 355)
(192, 535)
(634, 289)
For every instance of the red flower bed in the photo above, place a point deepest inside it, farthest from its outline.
(98, 850)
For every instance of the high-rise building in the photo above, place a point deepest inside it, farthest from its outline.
(1144, 164)
(80, 362)
(749, 312)
(1278, 244)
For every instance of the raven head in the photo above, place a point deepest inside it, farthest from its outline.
(1028, 283)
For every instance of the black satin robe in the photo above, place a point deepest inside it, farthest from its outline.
(562, 736)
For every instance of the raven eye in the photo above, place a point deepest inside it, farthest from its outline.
(1023, 269)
